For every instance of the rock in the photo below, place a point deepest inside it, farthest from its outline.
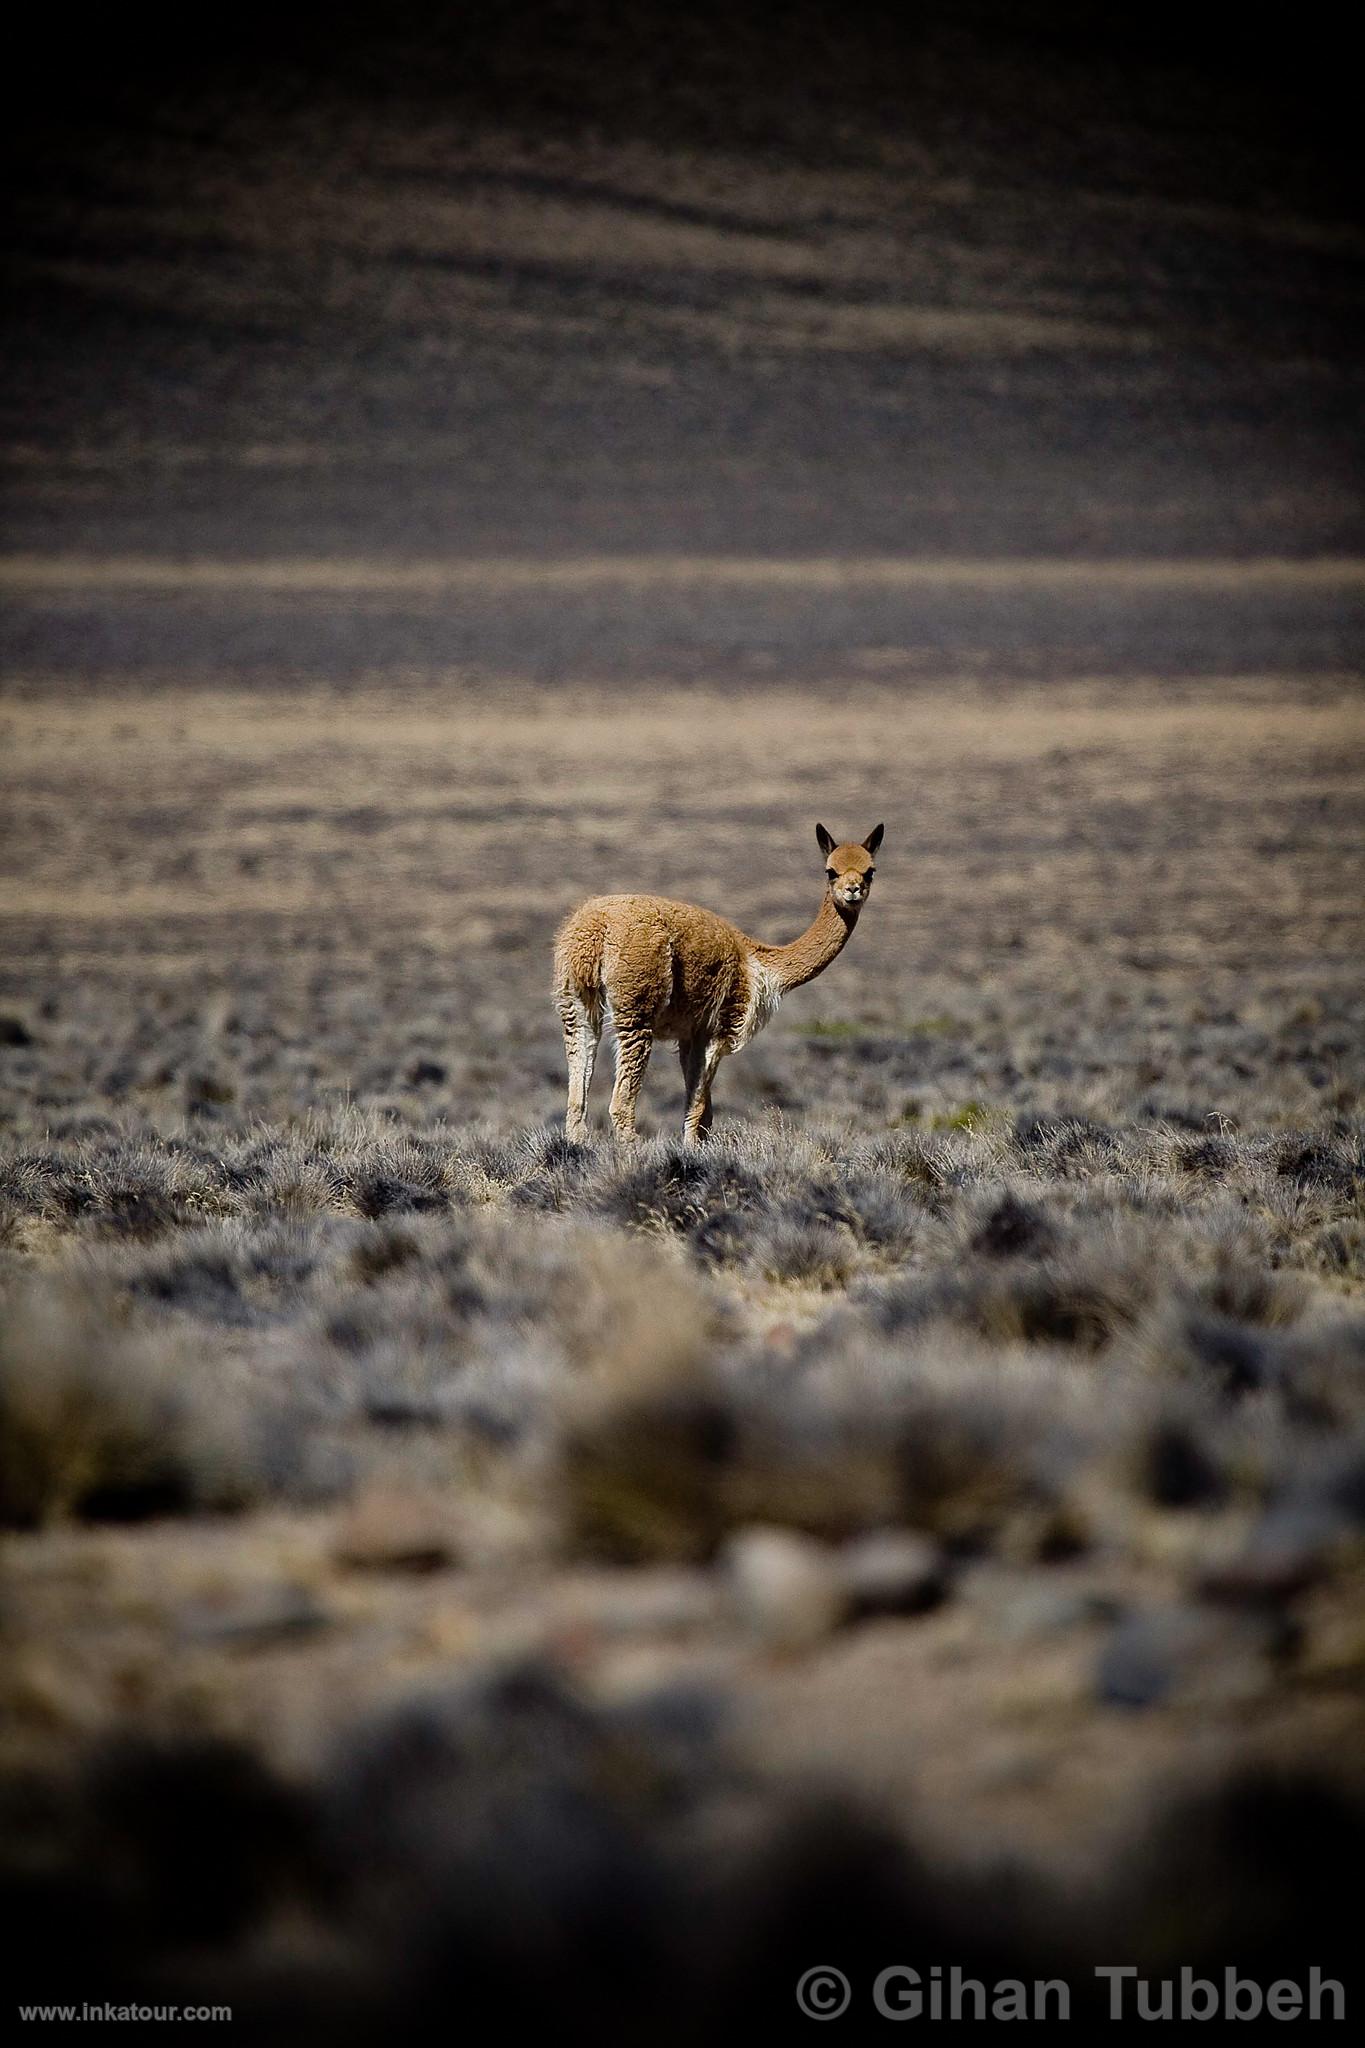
(1192, 1655)
(13, 1030)
(786, 1588)
(892, 1571)
(1292, 1549)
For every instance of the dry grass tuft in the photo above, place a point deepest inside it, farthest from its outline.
(100, 1418)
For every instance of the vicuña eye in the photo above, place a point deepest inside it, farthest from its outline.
(870, 873)
(831, 874)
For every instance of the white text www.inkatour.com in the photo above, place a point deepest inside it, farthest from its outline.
(125, 2012)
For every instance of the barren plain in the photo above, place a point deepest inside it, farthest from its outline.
(930, 1520)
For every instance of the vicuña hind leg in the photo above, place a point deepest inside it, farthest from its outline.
(582, 1031)
(689, 1059)
(633, 1047)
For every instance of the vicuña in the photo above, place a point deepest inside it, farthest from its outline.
(652, 968)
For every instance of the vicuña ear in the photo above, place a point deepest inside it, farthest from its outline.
(825, 840)
(874, 838)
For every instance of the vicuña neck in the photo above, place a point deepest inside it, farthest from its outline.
(811, 954)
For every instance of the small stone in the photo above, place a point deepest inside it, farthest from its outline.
(786, 1588)
(270, 1614)
(391, 1531)
(1267, 1577)
(892, 1571)
(661, 1602)
(1296, 1545)
(1020, 1607)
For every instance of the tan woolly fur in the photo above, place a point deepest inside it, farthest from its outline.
(655, 969)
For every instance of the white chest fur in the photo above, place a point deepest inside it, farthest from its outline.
(765, 993)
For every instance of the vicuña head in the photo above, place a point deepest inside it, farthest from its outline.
(653, 968)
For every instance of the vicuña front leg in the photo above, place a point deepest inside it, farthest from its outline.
(581, 1034)
(699, 1069)
(633, 1048)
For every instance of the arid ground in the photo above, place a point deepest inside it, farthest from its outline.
(928, 1522)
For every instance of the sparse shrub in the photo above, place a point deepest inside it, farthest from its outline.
(424, 1073)
(1177, 1469)
(379, 1194)
(961, 1472)
(1247, 1293)
(553, 1175)
(1080, 1301)
(1230, 1356)
(382, 1252)
(1322, 1367)
(1061, 1144)
(668, 1475)
(880, 1212)
(647, 1478)
(805, 1248)
(205, 1282)
(1339, 1248)
(1010, 1228)
(724, 1237)
(630, 1316)
(662, 1187)
(96, 1421)
(1211, 1158)
(1314, 1161)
